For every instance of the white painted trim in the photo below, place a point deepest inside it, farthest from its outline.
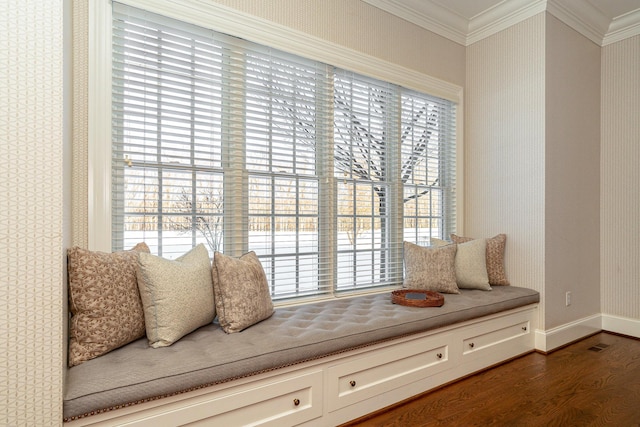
(460, 206)
(621, 325)
(500, 18)
(569, 332)
(440, 20)
(249, 27)
(99, 127)
(622, 28)
(582, 17)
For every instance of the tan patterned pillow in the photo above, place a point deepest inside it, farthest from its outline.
(106, 311)
(495, 258)
(177, 295)
(241, 291)
(471, 265)
(432, 269)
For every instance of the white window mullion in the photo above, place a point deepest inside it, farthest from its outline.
(236, 212)
(328, 231)
(396, 196)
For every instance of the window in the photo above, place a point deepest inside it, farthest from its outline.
(323, 172)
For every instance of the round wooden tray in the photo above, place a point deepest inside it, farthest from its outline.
(421, 298)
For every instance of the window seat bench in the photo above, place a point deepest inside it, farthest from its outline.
(301, 354)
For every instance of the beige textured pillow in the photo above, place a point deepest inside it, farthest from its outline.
(177, 295)
(104, 302)
(471, 265)
(241, 291)
(495, 258)
(432, 269)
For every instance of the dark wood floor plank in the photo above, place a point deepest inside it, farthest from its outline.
(573, 386)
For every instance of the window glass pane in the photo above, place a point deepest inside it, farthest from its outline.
(167, 144)
(363, 120)
(428, 167)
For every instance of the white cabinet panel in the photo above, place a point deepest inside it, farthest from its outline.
(371, 374)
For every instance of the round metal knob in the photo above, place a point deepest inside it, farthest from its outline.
(471, 345)
(524, 328)
(439, 355)
(296, 402)
(353, 383)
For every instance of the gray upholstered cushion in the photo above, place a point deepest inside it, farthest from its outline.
(241, 291)
(429, 268)
(177, 295)
(293, 334)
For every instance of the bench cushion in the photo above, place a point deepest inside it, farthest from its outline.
(136, 373)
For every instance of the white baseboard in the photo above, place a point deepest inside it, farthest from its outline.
(564, 334)
(621, 325)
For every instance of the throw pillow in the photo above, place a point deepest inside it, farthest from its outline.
(105, 306)
(241, 291)
(471, 266)
(177, 295)
(432, 269)
(495, 258)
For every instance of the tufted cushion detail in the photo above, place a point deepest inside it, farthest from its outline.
(291, 335)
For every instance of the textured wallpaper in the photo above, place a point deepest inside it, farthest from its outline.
(79, 172)
(31, 190)
(620, 183)
(504, 147)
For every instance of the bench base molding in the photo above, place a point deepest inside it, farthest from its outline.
(339, 388)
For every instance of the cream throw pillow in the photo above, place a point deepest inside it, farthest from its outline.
(104, 301)
(241, 291)
(432, 269)
(471, 266)
(177, 295)
(495, 258)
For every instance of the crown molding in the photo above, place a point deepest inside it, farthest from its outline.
(622, 28)
(581, 15)
(439, 20)
(501, 17)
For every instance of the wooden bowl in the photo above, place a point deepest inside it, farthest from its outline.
(417, 298)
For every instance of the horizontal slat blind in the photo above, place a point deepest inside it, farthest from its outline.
(242, 147)
(365, 112)
(282, 97)
(167, 142)
(428, 167)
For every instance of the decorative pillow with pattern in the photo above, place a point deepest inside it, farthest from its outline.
(106, 310)
(471, 265)
(495, 258)
(432, 269)
(241, 291)
(177, 295)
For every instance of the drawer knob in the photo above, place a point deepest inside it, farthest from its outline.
(471, 345)
(353, 383)
(439, 355)
(296, 402)
(524, 328)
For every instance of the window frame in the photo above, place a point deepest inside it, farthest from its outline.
(237, 24)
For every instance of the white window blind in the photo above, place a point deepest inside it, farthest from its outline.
(365, 126)
(427, 171)
(321, 171)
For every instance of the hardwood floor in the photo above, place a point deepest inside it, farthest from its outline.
(594, 382)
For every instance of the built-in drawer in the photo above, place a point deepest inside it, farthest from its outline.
(368, 375)
(289, 401)
(508, 331)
